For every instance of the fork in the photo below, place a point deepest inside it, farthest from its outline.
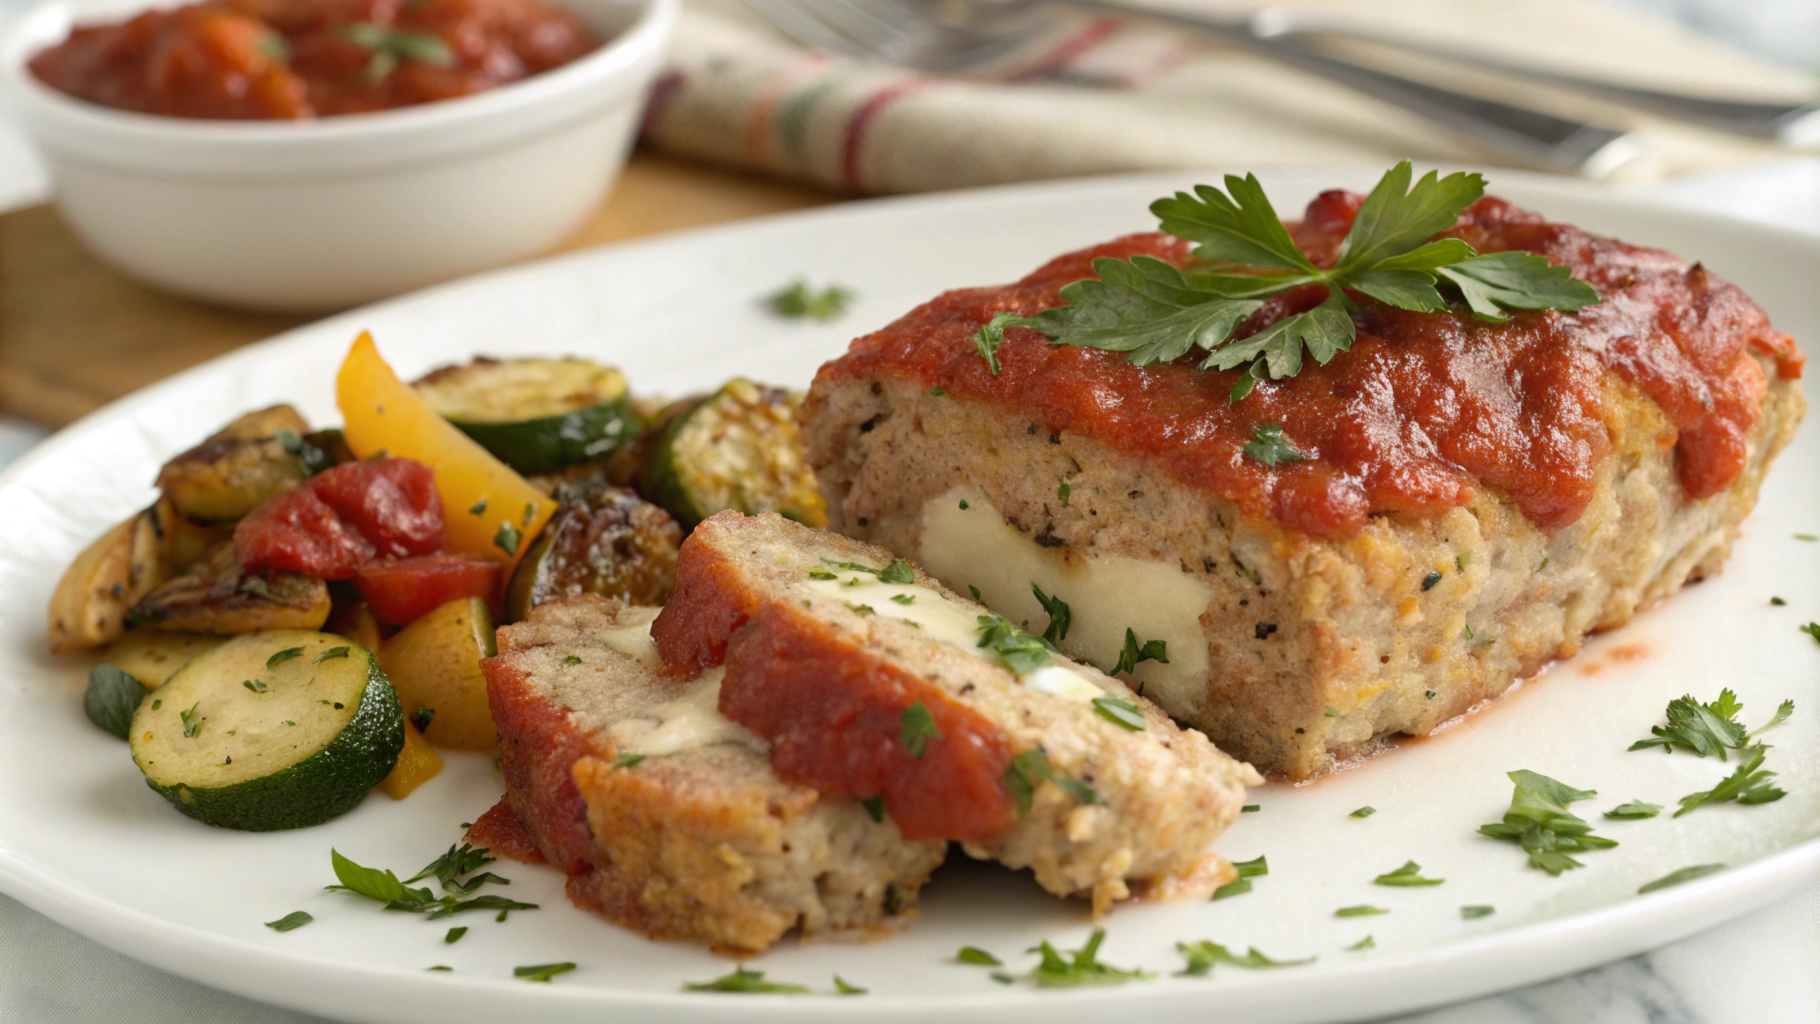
(909, 33)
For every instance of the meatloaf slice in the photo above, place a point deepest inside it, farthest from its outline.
(666, 817)
(1474, 498)
(871, 680)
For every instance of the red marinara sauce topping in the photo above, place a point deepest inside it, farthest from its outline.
(1423, 409)
(288, 59)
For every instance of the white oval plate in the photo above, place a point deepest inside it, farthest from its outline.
(83, 840)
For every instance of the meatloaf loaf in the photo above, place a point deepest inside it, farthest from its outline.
(1475, 497)
(870, 680)
(667, 817)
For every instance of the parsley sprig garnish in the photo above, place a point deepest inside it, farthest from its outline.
(1539, 821)
(1060, 616)
(1748, 784)
(1706, 729)
(1020, 651)
(1154, 312)
(384, 886)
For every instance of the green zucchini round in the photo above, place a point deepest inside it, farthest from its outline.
(738, 448)
(536, 415)
(272, 730)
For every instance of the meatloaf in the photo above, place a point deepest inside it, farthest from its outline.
(667, 817)
(872, 681)
(1476, 497)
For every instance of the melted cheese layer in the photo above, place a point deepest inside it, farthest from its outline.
(1106, 594)
(946, 620)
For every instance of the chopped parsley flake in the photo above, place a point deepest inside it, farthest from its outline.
(917, 729)
(571, 659)
(937, 391)
(1473, 913)
(1807, 537)
(1081, 966)
(455, 934)
(1059, 615)
(1363, 910)
(1811, 629)
(422, 717)
(1776, 602)
(1364, 812)
(1749, 784)
(904, 598)
(1202, 955)
(1020, 651)
(1133, 654)
(1251, 808)
(1267, 446)
(541, 972)
(507, 538)
(1539, 821)
(842, 988)
(1032, 767)
(1365, 943)
(1120, 712)
(1410, 874)
(628, 760)
(875, 806)
(333, 652)
(1683, 875)
(1333, 712)
(294, 919)
(976, 955)
(899, 571)
(798, 300)
(975, 591)
(255, 685)
(1255, 868)
(283, 656)
(192, 723)
(1429, 581)
(1236, 887)
(1634, 810)
(479, 509)
(746, 982)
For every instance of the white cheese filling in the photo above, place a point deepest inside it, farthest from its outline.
(689, 722)
(966, 542)
(948, 621)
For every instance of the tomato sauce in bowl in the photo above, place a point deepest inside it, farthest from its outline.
(297, 59)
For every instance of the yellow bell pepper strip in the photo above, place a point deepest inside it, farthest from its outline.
(417, 764)
(490, 510)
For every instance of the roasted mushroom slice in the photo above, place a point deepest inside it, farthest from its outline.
(89, 606)
(603, 540)
(217, 596)
(256, 457)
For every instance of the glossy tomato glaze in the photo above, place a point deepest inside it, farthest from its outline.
(831, 708)
(288, 59)
(1423, 409)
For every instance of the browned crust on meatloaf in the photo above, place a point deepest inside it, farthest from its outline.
(828, 682)
(1295, 625)
(706, 844)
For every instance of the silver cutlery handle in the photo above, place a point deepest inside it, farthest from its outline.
(1533, 137)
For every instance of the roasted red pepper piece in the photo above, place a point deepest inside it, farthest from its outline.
(344, 518)
(403, 590)
(297, 532)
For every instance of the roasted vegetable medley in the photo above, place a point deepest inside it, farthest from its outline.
(301, 614)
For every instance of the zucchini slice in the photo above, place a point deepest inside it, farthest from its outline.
(738, 448)
(273, 730)
(536, 415)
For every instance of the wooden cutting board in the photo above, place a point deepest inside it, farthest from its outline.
(75, 334)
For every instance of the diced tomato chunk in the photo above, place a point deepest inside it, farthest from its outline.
(344, 518)
(403, 590)
(394, 502)
(297, 532)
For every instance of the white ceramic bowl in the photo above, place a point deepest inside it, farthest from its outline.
(342, 210)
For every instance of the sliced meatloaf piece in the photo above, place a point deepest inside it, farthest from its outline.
(666, 817)
(871, 680)
(1474, 498)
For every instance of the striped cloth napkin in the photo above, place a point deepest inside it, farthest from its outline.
(1095, 94)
